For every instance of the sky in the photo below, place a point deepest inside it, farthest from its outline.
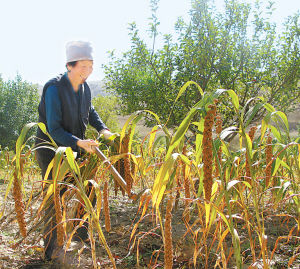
(34, 32)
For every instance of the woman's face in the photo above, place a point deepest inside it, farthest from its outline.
(81, 70)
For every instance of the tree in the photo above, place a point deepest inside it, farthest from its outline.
(18, 106)
(239, 49)
(108, 109)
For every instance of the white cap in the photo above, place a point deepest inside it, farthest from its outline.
(78, 50)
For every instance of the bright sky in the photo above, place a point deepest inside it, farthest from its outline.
(34, 32)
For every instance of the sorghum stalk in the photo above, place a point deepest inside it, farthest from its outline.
(116, 186)
(92, 243)
(178, 184)
(19, 206)
(122, 173)
(186, 187)
(251, 136)
(208, 151)
(219, 153)
(106, 207)
(168, 246)
(127, 165)
(269, 157)
(58, 216)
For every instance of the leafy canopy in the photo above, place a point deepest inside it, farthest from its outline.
(239, 49)
(18, 105)
(107, 106)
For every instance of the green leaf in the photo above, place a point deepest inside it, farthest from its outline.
(278, 163)
(275, 132)
(199, 139)
(269, 107)
(152, 139)
(251, 113)
(283, 117)
(71, 160)
(225, 149)
(162, 179)
(57, 162)
(184, 87)
(249, 145)
(235, 99)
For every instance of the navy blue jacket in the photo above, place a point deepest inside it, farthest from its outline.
(76, 111)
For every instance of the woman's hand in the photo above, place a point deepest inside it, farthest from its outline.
(88, 145)
(106, 134)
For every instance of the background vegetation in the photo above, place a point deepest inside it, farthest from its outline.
(238, 49)
(18, 106)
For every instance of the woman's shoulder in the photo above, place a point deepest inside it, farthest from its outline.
(55, 80)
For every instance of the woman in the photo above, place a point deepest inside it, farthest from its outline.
(65, 108)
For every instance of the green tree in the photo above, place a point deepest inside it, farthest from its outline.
(18, 105)
(107, 107)
(238, 49)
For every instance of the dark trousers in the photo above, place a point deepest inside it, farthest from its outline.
(50, 236)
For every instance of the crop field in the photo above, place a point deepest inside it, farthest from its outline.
(187, 202)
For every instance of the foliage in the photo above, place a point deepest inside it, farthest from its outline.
(4, 158)
(18, 106)
(107, 108)
(239, 49)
